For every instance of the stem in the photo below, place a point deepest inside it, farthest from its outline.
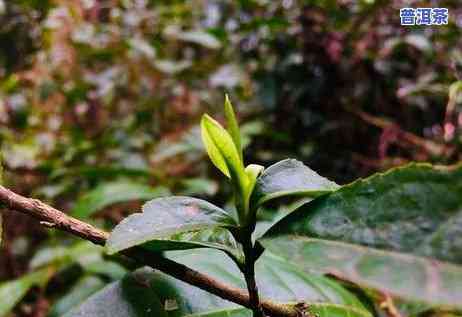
(53, 218)
(249, 274)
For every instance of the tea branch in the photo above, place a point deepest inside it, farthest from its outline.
(249, 274)
(53, 218)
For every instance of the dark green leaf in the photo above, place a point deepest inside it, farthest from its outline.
(405, 276)
(290, 177)
(174, 223)
(114, 192)
(165, 296)
(414, 209)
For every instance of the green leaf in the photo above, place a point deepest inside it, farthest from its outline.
(415, 209)
(11, 292)
(84, 288)
(114, 192)
(222, 150)
(173, 223)
(290, 178)
(404, 276)
(233, 126)
(165, 296)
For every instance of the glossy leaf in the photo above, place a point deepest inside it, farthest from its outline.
(166, 296)
(11, 292)
(174, 223)
(114, 192)
(289, 178)
(408, 277)
(414, 209)
(233, 126)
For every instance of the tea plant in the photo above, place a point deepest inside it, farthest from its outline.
(389, 244)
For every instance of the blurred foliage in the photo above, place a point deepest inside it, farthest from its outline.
(99, 93)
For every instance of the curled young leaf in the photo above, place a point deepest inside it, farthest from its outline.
(252, 171)
(221, 149)
(225, 156)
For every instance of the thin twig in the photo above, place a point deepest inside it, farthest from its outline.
(56, 219)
